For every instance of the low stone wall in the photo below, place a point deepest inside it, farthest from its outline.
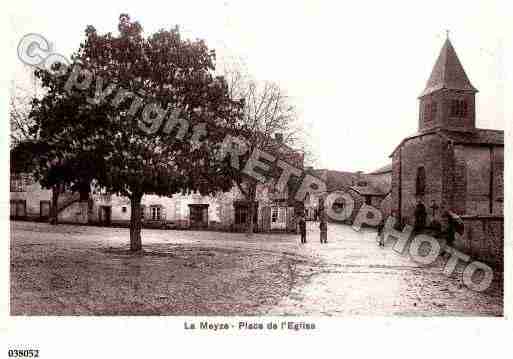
(483, 239)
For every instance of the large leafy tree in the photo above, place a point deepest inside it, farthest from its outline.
(131, 154)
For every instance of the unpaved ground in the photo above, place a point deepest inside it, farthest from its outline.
(73, 270)
(67, 270)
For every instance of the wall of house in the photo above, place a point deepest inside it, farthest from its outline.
(33, 195)
(174, 210)
(74, 213)
(381, 181)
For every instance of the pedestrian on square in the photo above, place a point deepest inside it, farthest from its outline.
(302, 229)
(381, 238)
(323, 226)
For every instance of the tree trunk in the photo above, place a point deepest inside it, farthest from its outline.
(251, 209)
(135, 223)
(54, 210)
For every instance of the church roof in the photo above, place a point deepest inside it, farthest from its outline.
(448, 73)
(477, 136)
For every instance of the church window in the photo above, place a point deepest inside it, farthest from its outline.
(459, 108)
(427, 112)
(433, 110)
(430, 111)
(420, 184)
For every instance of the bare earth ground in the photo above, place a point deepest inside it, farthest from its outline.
(79, 270)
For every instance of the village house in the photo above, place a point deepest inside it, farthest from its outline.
(364, 188)
(275, 210)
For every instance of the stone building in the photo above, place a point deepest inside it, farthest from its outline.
(275, 210)
(449, 165)
(364, 188)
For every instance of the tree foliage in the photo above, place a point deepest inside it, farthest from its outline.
(107, 140)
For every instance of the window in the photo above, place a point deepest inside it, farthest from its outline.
(434, 108)
(421, 181)
(427, 111)
(430, 110)
(19, 182)
(274, 214)
(123, 209)
(368, 200)
(155, 212)
(459, 108)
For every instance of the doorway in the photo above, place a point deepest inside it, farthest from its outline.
(279, 218)
(105, 215)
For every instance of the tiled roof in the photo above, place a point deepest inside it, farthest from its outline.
(343, 181)
(335, 180)
(381, 170)
(448, 73)
(369, 190)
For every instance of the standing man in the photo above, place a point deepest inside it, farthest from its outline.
(323, 226)
(302, 229)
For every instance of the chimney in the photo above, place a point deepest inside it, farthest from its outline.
(278, 137)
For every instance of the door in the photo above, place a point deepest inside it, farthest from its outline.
(278, 218)
(105, 215)
(198, 216)
(18, 209)
(44, 209)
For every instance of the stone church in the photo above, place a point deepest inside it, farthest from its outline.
(449, 165)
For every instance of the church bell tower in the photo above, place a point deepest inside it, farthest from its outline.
(448, 101)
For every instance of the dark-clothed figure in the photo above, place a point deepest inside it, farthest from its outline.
(302, 229)
(323, 226)
(381, 237)
(420, 216)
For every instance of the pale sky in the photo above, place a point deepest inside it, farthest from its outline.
(353, 69)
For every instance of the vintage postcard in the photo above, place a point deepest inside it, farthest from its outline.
(288, 169)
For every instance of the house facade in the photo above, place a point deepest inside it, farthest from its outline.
(275, 210)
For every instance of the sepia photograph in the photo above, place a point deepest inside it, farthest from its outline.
(243, 167)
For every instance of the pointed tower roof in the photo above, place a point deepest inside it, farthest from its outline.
(448, 73)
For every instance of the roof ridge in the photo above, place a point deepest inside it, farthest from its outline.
(448, 72)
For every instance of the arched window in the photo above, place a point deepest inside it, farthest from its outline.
(459, 108)
(430, 110)
(421, 181)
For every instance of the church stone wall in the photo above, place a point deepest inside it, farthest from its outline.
(483, 239)
(425, 151)
(479, 179)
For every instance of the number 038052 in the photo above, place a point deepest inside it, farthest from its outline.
(23, 353)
